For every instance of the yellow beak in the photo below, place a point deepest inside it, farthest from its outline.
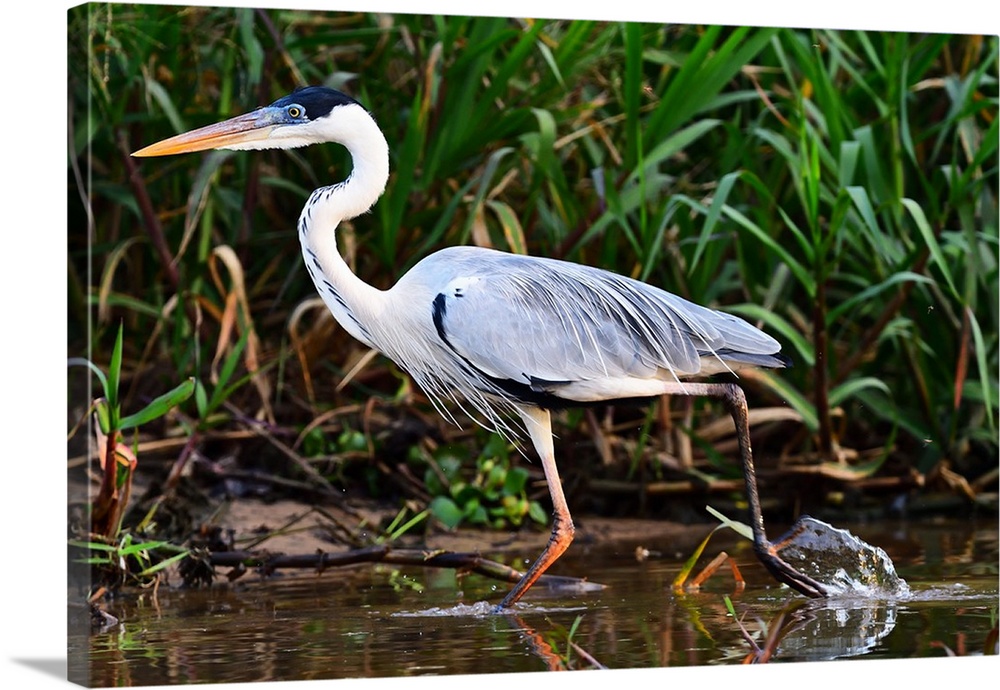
(236, 132)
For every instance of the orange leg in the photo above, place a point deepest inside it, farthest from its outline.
(539, 425)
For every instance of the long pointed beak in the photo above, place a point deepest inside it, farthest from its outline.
(236, 132)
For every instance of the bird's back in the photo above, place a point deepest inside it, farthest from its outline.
(568, 329)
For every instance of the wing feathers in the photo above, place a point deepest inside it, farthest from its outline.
(534, 320)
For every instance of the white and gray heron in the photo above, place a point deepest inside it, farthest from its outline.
(509, 335)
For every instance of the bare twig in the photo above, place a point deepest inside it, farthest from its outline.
(285, 450)
(151, 220)
(466, 562)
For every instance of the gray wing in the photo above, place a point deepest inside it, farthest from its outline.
(544, 322)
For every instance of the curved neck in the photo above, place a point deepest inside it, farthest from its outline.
(357, 131)
(353, 302)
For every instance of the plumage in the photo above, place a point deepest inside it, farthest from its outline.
(506, 335)
(575, 333)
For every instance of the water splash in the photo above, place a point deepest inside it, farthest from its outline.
(482, 609)
(847, 565)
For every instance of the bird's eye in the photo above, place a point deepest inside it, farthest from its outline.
(294, 111)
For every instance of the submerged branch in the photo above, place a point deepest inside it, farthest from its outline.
(462, 561)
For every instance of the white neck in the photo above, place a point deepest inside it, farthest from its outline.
(353, 302)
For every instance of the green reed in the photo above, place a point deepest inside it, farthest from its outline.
(838, 188)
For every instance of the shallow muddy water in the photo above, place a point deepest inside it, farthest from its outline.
(378, 621)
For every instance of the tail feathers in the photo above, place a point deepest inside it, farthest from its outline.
(776, 360)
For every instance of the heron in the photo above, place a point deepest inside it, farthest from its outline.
(508, 337)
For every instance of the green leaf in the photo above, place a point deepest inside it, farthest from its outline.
(862, 202)
(396, 530)
(632, 91)
(81, 362)
(222, 391)
(450, 464)
(495, 447)
(872, 291)
(515, 481)
(140, 547)
(476, 513)
(729, 606)
(484, 186)
(848, 162)
(712, 217)
(793, 397)
(551, 62)
(115, 299)
(160, 406)
(537, 513)
(800, 272)
(446, 511)
(930, 241)
(92, 545)
(673, 145)
(114, 377)
(511, 226)
(201, 399)
(103, 415)
(778, 324)
(251, 46)
(709, 67)
(986, 378)
(546, 152)
(164, 564)
(740, 528)
(160, 95)
(685, 572)
(849, 389)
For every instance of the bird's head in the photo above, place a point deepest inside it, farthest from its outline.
(311, 115)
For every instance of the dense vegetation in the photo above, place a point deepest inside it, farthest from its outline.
(837, 188)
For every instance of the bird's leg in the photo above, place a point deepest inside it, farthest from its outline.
(736, 402)
(539, 426)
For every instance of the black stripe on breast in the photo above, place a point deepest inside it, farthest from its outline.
(439, 309)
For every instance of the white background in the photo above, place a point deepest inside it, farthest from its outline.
(33, 328)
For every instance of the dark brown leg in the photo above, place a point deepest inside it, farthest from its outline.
(539, 426)
(736, 402)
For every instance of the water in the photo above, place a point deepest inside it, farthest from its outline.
(845, 564)
(376, 621)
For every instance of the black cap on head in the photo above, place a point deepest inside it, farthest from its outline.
(318, 101)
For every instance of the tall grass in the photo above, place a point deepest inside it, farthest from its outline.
(839, 188)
